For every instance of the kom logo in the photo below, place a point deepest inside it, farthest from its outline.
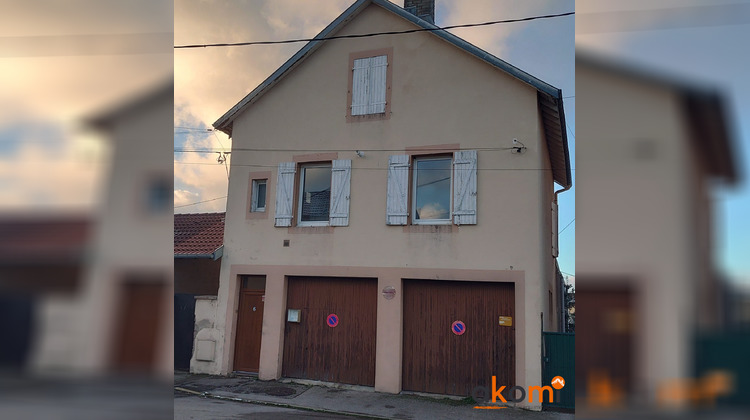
(483, 395)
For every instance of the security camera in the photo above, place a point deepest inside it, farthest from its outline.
(360, 153)
(515, 141)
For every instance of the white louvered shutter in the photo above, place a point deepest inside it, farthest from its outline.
(465, 187)
(285, 193)
(397, 211)
(360, 86)
(555, 246)
(378, 72)
(369, 85)
(341, 175)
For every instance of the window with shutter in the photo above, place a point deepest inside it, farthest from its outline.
(443, 189)
(369, 85)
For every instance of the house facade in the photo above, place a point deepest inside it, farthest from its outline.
(383, 228)
(198, 247)
(655, 157)
(119, 317)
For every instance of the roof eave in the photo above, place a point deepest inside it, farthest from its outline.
(224, 123)
(218, 253)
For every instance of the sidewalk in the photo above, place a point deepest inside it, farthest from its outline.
(355, 401)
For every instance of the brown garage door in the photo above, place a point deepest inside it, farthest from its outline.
(344, 353)
(604, 337)
(437, 360)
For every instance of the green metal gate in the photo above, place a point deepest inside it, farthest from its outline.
(725, 352)
(558, 359)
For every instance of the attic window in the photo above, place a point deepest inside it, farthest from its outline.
(369, 85)
(368, 89)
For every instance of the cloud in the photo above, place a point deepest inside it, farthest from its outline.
(66, 174)
(42, 97)
(199, 177)
(433, 211)
(210, 81)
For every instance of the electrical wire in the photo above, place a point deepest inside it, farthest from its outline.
(566, 226)
(177, 162)
(200, 202)
(251, 149)
(408, 31)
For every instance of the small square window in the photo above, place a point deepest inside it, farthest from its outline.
(259, 195)
(431, 200)
(159, 195)
(315, 195)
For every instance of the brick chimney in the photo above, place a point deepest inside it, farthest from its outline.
(423, 9)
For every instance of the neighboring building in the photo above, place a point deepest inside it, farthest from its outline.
(41, 256)
(198, 246)
(655, 150)
(435, 215)
(120, 318)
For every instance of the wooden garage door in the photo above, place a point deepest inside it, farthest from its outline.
(604, 337)
(344, 353)
(438, 361)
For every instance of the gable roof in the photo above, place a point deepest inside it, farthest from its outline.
(549, 97)
(199, 235)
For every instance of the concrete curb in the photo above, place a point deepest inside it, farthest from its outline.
(279, 405)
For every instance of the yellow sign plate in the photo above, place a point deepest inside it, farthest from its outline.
(505, 321)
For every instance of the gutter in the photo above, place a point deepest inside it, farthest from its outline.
(214, 255)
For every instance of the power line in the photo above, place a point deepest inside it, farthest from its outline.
(200, 202)
(291, 41)
(566, 226)
(177, 162)
(251, 149)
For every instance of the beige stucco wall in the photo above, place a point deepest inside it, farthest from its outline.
(440, 95)
(205, 336)
(639, 215)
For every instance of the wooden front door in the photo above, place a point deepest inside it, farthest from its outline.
(249, 331)
(438, 360)
(139, 321)
(334, 339)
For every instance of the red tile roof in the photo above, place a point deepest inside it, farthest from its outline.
(39, 239)
(198, 234)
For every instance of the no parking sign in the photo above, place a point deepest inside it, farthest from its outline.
(458, 327)
(332, 320)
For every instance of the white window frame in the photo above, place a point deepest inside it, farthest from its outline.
(254, 204)
(301, 195)
(413, 210)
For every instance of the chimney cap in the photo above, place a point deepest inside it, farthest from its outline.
(423, 9)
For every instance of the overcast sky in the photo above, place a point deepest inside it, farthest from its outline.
(61, 61)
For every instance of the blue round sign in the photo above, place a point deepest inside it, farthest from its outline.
(458, 327)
